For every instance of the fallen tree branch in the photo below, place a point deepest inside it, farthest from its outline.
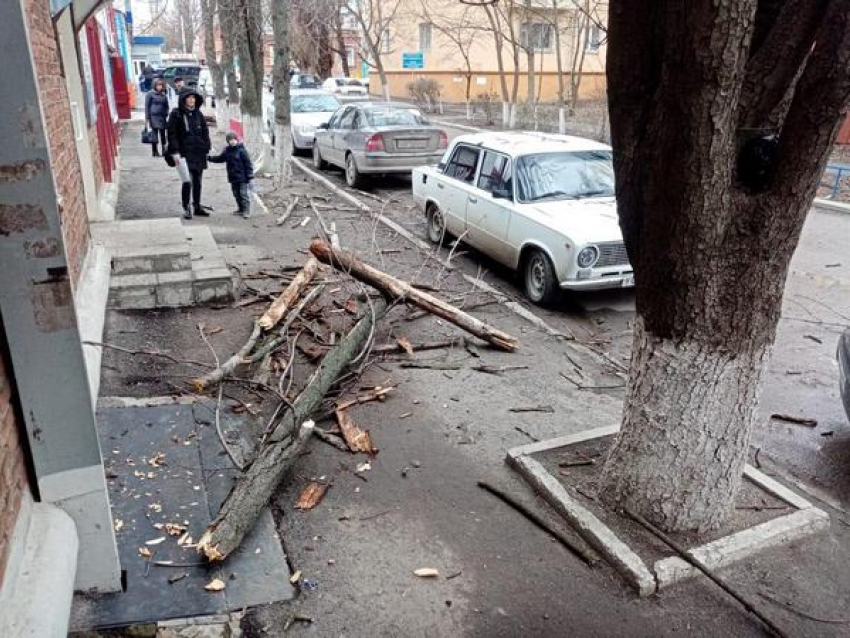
(211, 378)
(401, 290)
(253, 490)
(267, 348)
(149, 353)
(280, 221)
(497, 370)
(584, 553)
(796, 420)
(393, 348)
(685, 555)
(281, 305)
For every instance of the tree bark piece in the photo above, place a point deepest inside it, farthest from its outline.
(378, 394)
(253, 490)
(280, 305)
(401, 290)
(357, 440)
(211, 378)
(311, 496)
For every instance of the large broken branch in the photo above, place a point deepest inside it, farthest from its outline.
(250, 494)
(281, 305)
(401, 290)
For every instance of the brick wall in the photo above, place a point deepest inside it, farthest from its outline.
(13, 478)
(94, 142)
(60, 133)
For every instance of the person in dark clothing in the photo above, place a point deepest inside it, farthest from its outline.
(156, 114)
(189, 138)
(147, 77)
(240, 172)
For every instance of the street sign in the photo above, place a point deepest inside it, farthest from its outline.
(413, 60)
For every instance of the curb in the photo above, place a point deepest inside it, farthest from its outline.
(831, 206)
(461, 127)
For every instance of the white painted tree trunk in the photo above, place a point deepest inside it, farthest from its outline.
(282, 155)
(512, 118)
(686, 428)
(506, 114)
(562, 120)
(252, 126)
(468, 111)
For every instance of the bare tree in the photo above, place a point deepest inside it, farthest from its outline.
(311, 34)
(723, 115)
(375, 18)
(209, 9)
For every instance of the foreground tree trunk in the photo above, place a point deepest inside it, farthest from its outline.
(250, 48)
(723, 115)
(281, 16)
(209, 8)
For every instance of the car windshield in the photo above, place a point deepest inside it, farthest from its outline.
(572, 175)
(395, 117)
(354, 83)
(314, 103)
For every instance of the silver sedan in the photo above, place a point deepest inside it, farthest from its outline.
(378, 138)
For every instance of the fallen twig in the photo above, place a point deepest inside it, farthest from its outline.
(788, 607)
(426, 365)
(281, 305)
(685, 555)
(548, 409)
(280, 221)
(211, 378)
(796, 420)
(584, 553)
(392, 348)
(149, 353)
(497, 370)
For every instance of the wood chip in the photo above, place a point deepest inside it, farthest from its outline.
(311, 496)
(173, 529)
(176, 577)
(351, 306)
(427, 572)
(405, 345)
(295, 577)
(217, 584)
(155, 541)
(357, 440)
(144, 551)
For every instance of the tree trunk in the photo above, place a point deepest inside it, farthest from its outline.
(340, 41)
(499, 44)
(209, 9)
(229, 35)
(281, 14)
(710, 227)
(250, 47)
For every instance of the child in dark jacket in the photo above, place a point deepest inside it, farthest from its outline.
(240, 172)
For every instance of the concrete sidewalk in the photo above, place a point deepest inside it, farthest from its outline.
(419, 505)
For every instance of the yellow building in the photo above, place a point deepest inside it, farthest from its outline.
(457, 44)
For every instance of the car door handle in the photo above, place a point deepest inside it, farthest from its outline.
(473, 200)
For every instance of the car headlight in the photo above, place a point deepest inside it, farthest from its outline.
(307, 130)
(588, 256)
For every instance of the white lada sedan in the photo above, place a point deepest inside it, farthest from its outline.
(540, 204)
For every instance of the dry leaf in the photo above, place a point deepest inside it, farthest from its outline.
(364, 467)
(144, 551)
(158, 525)
(118, 524)
(311, 496)
(357, 440)
(217, 584)
(157, 460)
(405, 345)
(295, 577)
(156, 507)
(173, 529)
(155, 541)
(351, 306)
(427, 572)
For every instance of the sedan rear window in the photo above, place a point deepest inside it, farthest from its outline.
(567, 175)
(395, 117)
(354, 83)
(314, 104)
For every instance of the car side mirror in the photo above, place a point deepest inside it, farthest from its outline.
(502, 193)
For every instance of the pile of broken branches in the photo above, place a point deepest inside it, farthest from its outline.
(272, 349)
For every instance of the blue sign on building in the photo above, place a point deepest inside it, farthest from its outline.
(413, 60)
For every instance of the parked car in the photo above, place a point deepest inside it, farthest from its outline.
(382, 138)
(189, 72)
(843, 355)
(205, 86)
(308, 108)
(304, 81)
(540, 204)
(345, 86)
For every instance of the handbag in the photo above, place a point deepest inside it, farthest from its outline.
(148, 136)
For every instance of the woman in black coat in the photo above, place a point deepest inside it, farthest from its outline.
(156, 113)
(189, 138)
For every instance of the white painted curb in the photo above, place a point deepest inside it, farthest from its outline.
(831, 206)
(460, 127)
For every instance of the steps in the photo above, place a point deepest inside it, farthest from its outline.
(160, 263)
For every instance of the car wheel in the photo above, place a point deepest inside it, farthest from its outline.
(353, 177)
(436, 225)
(318, 162)
(539, 280)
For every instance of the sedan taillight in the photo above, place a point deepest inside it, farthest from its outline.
(444, 140)
(375, 143)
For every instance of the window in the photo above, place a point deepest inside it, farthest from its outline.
(536, 36)
(564, 175)
(463, 163)
(495, 173)
(314, 103)
(378, 117)
(594, 38)
(347, 119)
(425, 36)
(386, 42)
(350, 55)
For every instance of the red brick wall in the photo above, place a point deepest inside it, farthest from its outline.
(94, 142)
(13, 478)
(60, 133)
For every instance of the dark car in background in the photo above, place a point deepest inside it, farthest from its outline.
(189, 72)
(304, 81)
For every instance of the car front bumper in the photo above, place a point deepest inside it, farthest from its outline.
(395, 163)
(602, 281)
(303, 140)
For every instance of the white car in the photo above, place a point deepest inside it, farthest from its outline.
(540, 204)
(345, 86)
(308, 109)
